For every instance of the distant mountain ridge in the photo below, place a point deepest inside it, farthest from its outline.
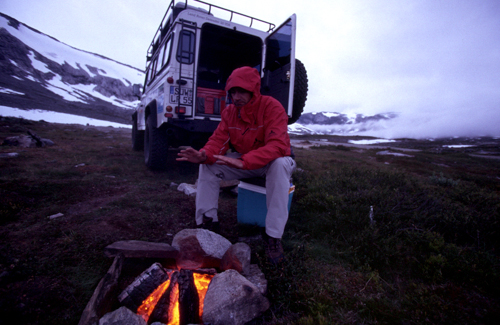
(331, 118)
(39, 72)
(337, 123)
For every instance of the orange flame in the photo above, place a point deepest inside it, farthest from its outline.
(174, 317)
(148, 305)
(201, 281)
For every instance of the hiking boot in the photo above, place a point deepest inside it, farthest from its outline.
(274, 250)
(210, 224)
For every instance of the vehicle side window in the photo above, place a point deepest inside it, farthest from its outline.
(146, 78)
(166, 51)
(185, 49)
(160, 59)
(152, 70)
(156, 66)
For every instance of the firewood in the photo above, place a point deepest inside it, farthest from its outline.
(188, 298)
(133, 296)
(161, 312)
(104, 295)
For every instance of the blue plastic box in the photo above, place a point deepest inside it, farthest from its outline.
(252, 208)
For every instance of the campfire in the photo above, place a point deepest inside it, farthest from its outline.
(212, 281)
(177, 300)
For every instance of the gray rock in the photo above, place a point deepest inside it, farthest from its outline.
(9, 155)
(232, 300)
(122, 316)
(237, 257)
(257, 277)
(47, 142)
(140, 249)
(25, 141)
(199, 248)
(22, 141)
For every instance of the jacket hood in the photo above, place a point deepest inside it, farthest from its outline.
(247, 78)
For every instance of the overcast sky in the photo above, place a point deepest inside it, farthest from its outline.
(435, 62)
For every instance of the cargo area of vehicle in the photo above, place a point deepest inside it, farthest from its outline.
(221, 51)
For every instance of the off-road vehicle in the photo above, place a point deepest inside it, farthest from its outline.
(192, 54)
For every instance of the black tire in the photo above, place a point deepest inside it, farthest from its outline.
(137, 136)
(155, 146)
(299, 91)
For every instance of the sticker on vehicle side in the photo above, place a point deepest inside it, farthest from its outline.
(159, 104)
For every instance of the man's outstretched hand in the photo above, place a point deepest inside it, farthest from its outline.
(192, 155)
(231, 162)
(198, 157)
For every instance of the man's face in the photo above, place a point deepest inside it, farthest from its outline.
(240, 96)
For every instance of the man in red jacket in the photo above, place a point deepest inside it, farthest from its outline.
(257, 128)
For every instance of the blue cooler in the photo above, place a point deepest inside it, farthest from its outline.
(252, 208)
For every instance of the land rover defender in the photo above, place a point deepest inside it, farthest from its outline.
(192, 54)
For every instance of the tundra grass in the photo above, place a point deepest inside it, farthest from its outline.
(370, 238)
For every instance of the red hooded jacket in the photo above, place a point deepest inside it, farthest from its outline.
(258, 130)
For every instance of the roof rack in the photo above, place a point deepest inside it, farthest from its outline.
(174, 10)
(270, 26)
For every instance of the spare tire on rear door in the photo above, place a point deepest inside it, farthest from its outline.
(299, 91)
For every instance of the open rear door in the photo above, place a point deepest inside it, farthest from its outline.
(279, 64)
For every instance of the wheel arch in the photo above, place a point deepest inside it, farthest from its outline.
(151, 110)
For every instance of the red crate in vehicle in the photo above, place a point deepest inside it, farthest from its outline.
(210, 101)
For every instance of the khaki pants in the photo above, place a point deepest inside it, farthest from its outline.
(278, 173)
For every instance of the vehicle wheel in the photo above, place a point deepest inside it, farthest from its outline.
(155, 146)
(137, 136)
(299, 91)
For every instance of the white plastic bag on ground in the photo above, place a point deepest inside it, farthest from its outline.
(188, 189)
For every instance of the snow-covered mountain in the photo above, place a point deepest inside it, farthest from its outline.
(331, 118)
(39, 72)
(338, 123)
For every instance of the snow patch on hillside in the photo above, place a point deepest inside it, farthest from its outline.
(10, 91)
(55, 117)
(373, 141)
(92, 64)
(61, 53)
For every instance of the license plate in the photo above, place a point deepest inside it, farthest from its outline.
(185, 96)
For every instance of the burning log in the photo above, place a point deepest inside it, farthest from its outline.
(188, 298)
(133, 296)
(178, 300)
(201, 281)
(166, 310)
